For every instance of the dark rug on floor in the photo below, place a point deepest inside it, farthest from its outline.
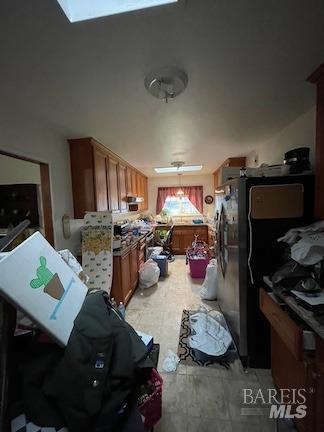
(187, 354)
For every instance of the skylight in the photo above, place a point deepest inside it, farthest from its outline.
(174, 169)
(80, 10)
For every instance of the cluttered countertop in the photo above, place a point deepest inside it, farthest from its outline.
(125, 248)
(128, 234)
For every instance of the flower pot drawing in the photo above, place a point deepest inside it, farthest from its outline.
(54, 288)
(51, 282)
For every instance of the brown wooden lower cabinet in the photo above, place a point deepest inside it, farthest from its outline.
(292, 366)
(123, 283)
(211, 237)
(125, 271)
(133, 264)
(141, 253)
(183, 236)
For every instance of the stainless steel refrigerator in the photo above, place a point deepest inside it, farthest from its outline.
(251, 214)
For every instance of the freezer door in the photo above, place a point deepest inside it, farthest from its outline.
(281, 201)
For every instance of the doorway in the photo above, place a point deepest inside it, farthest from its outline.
(25, 193)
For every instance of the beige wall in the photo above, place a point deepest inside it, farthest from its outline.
(206, 181)
(16, 171)
(300, 133)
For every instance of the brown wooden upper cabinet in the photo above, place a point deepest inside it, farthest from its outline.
(122, 181)
(102, 180)
(112, 168)
(134, 183)
(100, 175)
(129, 188)
(230, 162)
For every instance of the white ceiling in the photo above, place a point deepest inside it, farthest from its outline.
(247, 62)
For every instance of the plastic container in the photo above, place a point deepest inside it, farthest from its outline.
(151, 409)
(153, 251)
(162, 262)
(198, 267)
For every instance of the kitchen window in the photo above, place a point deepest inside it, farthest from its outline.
(179, 206)
(188, 203)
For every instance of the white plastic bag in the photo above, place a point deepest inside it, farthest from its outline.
(309, 250)
(170, 362)
(210, 337)
(293, 235)
(209, 287)
(149, 274)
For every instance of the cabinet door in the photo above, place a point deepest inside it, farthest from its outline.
(145, 203)
(133, 267)
(202, 232)
(141, 253)
(117, 286)
(100, 175)
(141, 191)
(125, 276)
(129, 188)
(211, 237)
(188, 238)
(134, 183)
(113, 185)
(177, 242)
(122, 188)
(138, 185)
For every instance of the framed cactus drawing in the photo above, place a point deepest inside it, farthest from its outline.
(36, 279)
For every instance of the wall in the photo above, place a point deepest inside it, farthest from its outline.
(186, 180)
(16, 171)
(28, 137)
(300, 133)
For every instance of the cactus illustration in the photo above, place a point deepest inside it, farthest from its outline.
(44, 275)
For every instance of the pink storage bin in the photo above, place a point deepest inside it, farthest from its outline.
(151, 409)
(198, 267)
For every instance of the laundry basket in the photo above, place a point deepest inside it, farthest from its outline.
(198, 257)
(197, 266)
(151, 408)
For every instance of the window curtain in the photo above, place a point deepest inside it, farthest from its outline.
(194, 194)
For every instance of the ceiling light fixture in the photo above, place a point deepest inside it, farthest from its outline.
(178, 169)
(180, 192)
(81, 10)
(166, 83)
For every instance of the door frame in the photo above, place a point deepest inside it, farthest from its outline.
(45, 193)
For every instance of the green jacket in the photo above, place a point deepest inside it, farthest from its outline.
(100, 368)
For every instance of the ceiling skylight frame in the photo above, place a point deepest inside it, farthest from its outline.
(174, 169)
(81, 10)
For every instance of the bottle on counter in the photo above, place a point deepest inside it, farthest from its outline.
(122, 310)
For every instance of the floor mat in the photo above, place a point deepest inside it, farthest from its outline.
(187, 355)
